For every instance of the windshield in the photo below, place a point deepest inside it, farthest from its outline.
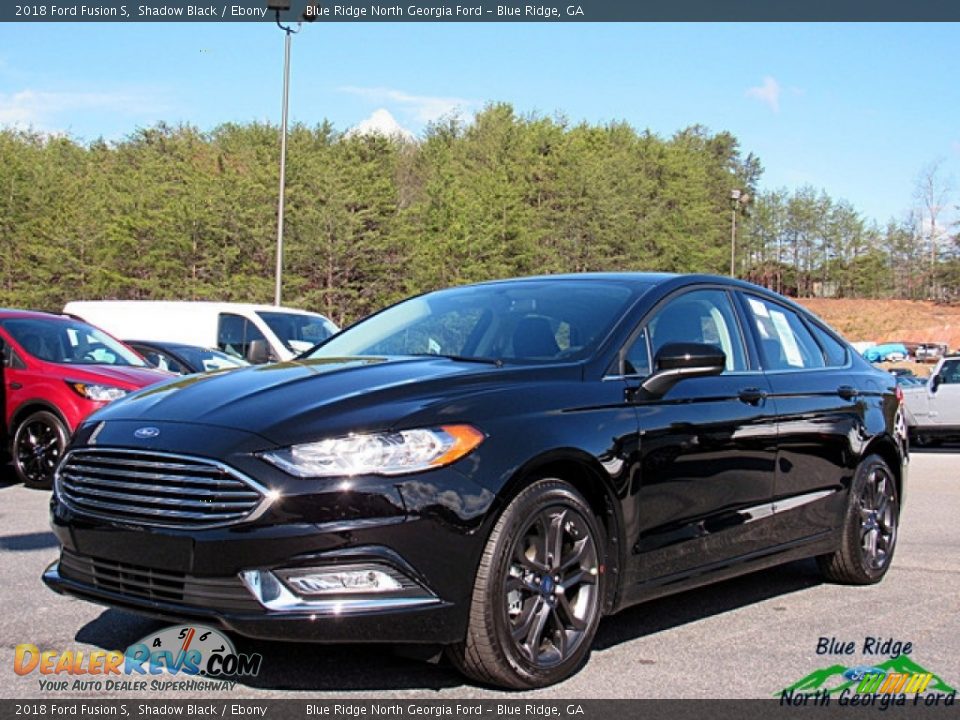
(70, 342)
(527, 322)
(298, 332)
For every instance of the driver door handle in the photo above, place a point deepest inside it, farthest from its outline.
(752, 396)
(847, 392)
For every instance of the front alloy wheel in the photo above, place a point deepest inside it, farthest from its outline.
(551, 587)
(538, 593)
(37, 447)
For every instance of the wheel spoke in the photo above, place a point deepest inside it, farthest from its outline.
(535, 636)
(528, 618)
(555, 539)
(581, 577)
(575, 556)
(871, 543)
(560, 636)
(563, 606)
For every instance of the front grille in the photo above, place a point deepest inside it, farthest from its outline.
(136, 581)
(147, 488)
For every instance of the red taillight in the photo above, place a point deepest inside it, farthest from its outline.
(899, 395)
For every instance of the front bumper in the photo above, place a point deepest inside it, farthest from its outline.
(428, 528)
(440, 623)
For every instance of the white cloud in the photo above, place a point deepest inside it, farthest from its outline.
(381, 122)
(767, 93)
(41, 109)
(424, 108)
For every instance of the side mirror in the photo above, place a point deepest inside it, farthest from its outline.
(258, 352)
(934, 383)
(677, 361)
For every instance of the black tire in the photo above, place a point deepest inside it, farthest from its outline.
(538, 594)
(870, 527)
(38, 445)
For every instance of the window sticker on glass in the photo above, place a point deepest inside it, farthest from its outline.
(433, 347)
(787, 340)
(759, 309)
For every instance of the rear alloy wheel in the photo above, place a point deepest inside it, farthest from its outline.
(537, 598)
(870, 528)
(37, 448)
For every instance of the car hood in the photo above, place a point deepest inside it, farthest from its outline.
(303, 399)
(125, 376)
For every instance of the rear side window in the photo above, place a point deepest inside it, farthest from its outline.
(834, 351)
(235, 334)
(785, 342)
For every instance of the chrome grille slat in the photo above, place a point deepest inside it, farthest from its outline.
(111, 472)
(182, 491)
(148, 487)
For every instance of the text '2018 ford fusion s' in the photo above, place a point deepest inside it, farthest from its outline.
(491, 468)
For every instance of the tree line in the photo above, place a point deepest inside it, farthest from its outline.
(172, 212)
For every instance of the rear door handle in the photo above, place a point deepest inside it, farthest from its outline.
(752, 396)
(847, 392)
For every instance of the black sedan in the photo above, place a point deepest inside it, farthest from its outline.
(491, 469)
(184, 359)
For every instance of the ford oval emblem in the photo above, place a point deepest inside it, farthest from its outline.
(145, 433)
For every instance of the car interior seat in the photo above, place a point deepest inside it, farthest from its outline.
(533, 338)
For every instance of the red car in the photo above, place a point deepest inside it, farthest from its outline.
(55, 372)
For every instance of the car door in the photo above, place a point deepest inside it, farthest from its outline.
(18, 381)
(821, 412)
(707, 447)
(943, 394)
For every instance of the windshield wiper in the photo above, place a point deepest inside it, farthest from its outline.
(462, 358)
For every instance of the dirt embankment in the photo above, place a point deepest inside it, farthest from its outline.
(890, 320)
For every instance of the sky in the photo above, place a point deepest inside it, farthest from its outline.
(855, 109)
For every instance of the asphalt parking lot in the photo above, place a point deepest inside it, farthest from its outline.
(744, 638)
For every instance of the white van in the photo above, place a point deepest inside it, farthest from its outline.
(257, 333)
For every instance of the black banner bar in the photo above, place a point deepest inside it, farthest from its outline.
(484, 11)
(232, 708)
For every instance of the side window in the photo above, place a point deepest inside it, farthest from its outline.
(699, 316)
(235, 333)
(950, 373)
(833, 350)
(785, 342)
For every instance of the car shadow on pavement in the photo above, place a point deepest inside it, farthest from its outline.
(339, 668)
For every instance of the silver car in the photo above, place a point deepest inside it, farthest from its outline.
(932, 411)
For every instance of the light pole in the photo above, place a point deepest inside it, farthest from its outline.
(277, 6)
(738, 200)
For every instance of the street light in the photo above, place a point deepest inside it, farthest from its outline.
(278, 6)
(738, 200)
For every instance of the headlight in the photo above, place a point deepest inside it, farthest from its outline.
(396, 453)
(97, 393)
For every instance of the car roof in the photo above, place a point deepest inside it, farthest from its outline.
(174, 346)
(12, 313)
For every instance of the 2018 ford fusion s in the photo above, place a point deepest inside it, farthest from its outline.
(491, 468)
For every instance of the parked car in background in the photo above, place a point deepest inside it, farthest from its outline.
(932, 411)
(930, 352)
(492, 468)
(184, 359)
(56, 371)
(906, 380)
(887, 352)
(255, 333)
